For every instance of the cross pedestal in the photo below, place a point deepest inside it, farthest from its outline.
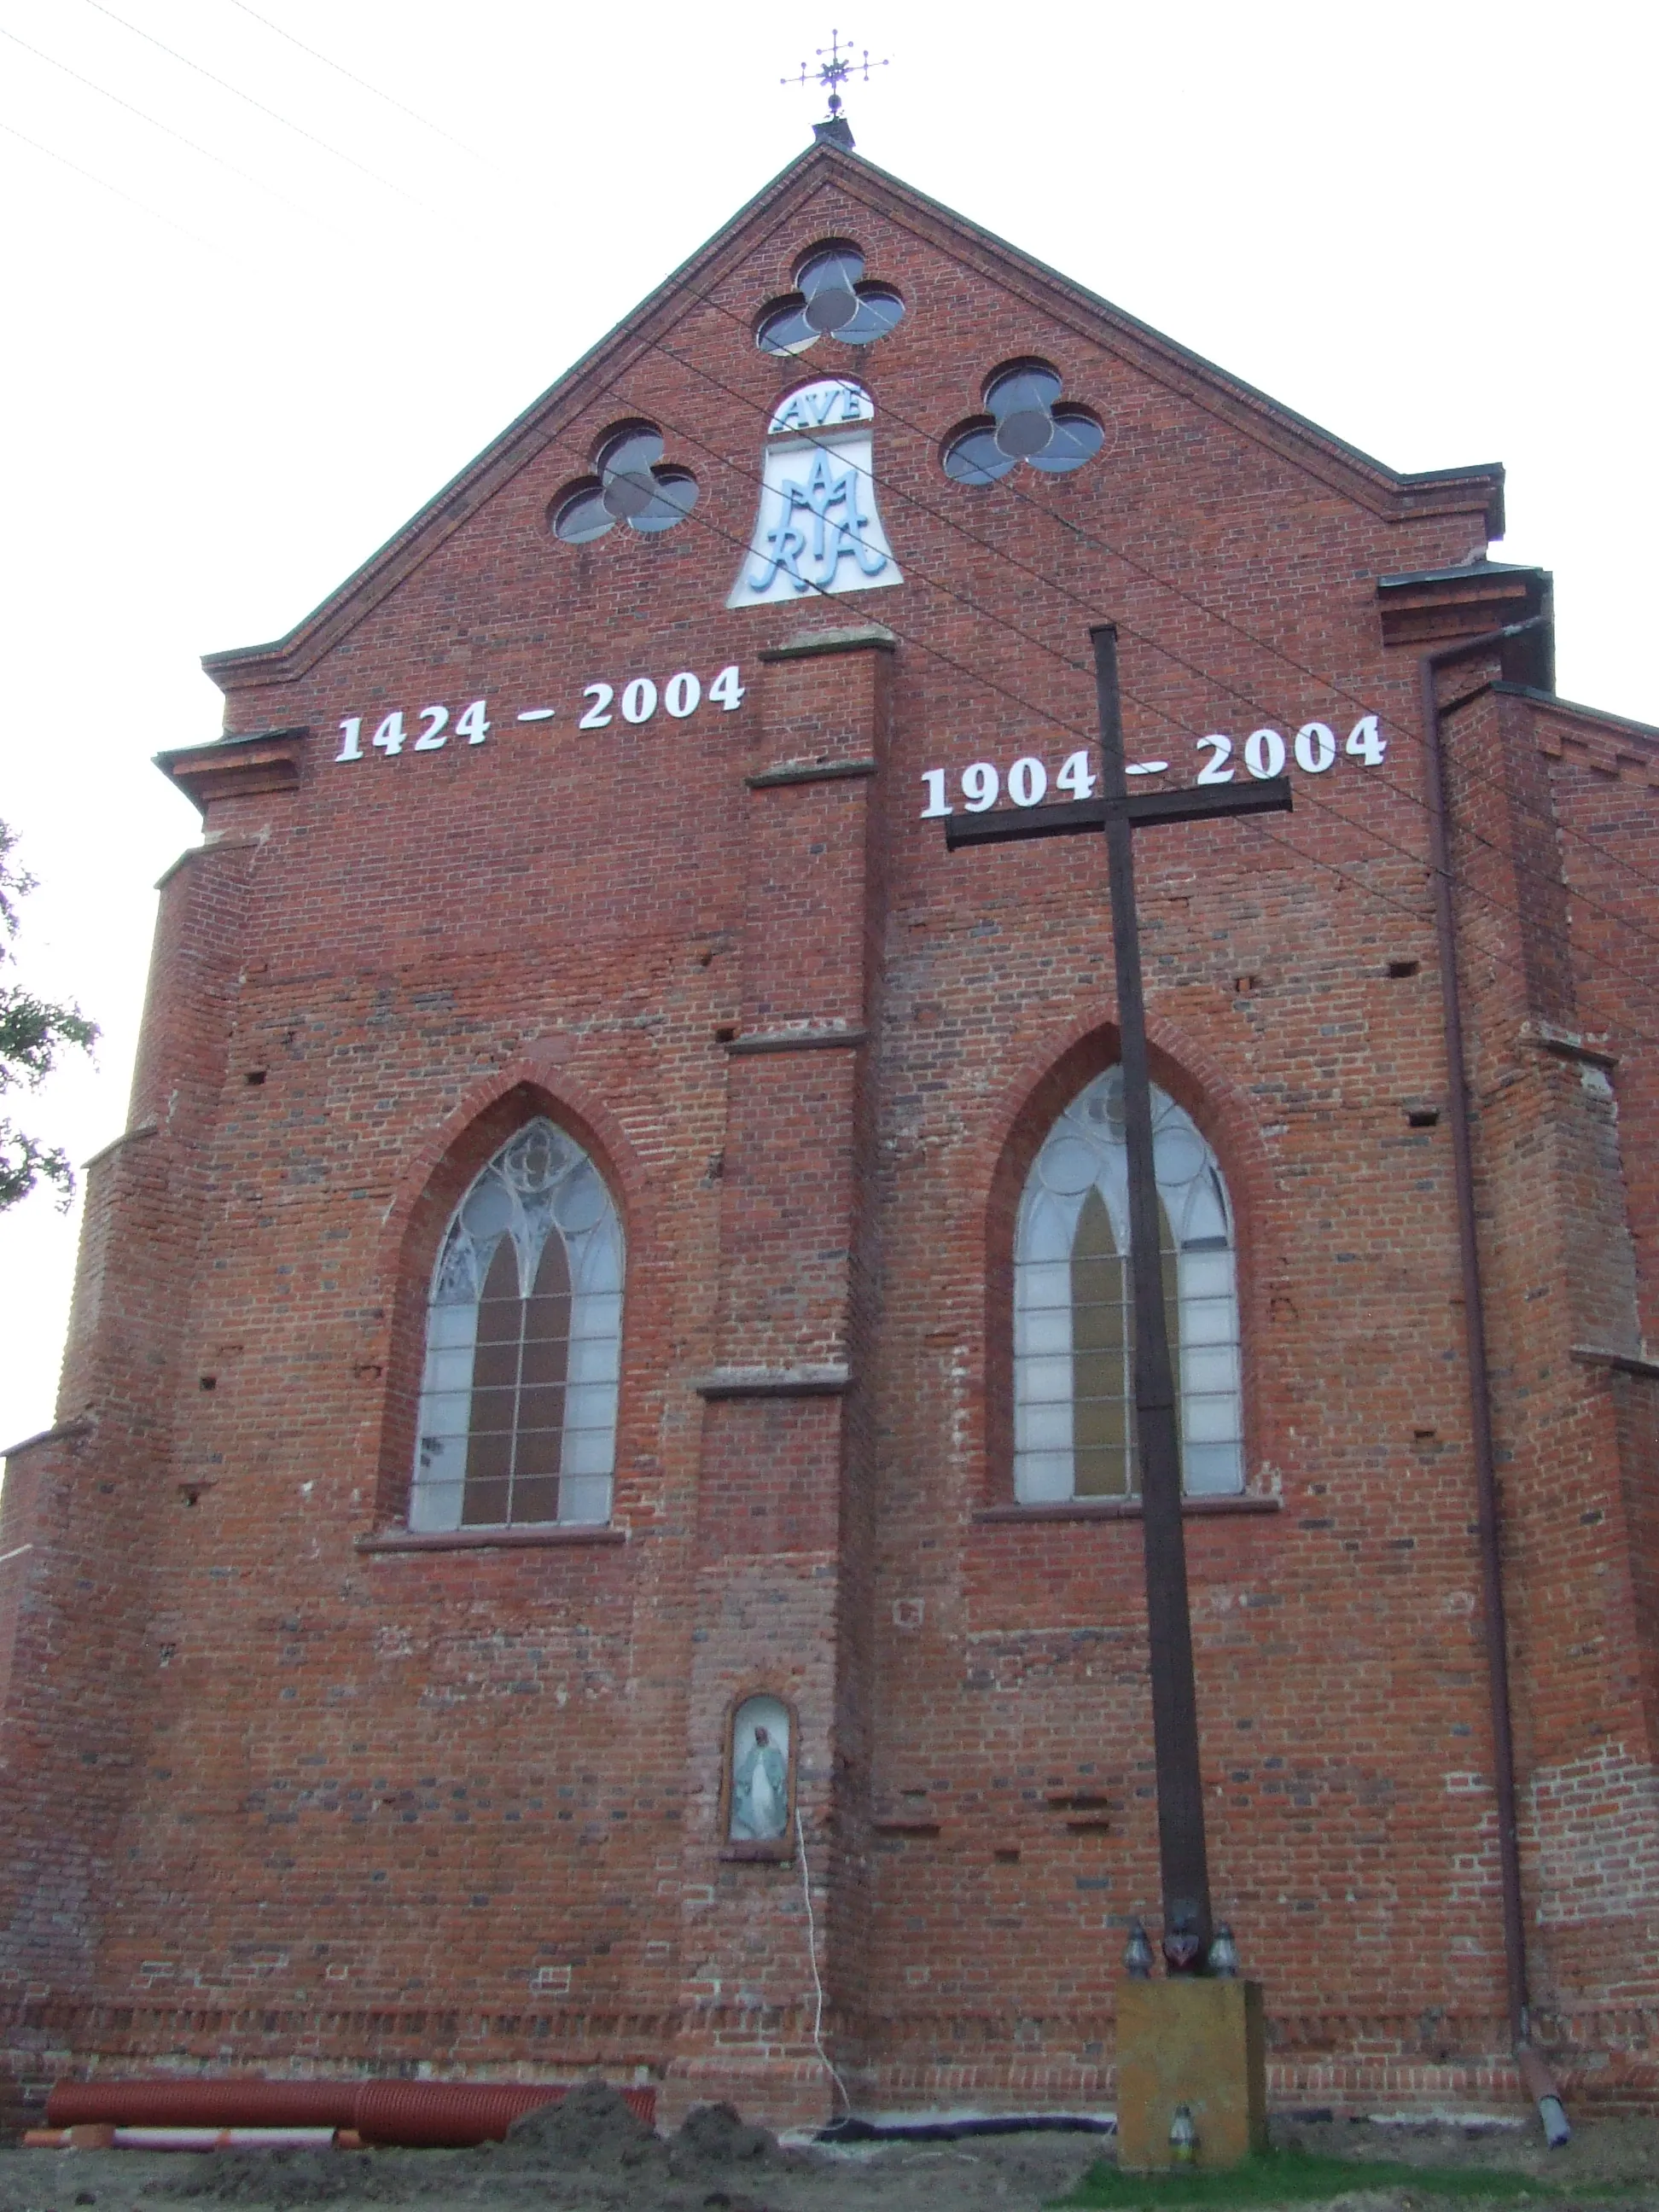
(1194, 2041)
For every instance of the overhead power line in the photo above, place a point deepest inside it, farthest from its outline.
(236, 93)
(104, 185)
(1152, 576)
(1264, 645)
(1166, 583)
(1417, 860)
(1310, 795)
(155, 123)
(362, 83)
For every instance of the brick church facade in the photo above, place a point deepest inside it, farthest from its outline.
(593, 1420)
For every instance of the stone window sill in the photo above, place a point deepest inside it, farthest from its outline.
(1125, 1508)
(778, 1853)
(490, 1539)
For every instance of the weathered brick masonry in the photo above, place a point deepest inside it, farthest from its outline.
(288, 1789)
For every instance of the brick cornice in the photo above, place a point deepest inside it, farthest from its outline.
(1613, 744)
(1439, 605)
(237, 766)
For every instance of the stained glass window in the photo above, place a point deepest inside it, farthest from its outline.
(1075, 1308)
(518, 1416)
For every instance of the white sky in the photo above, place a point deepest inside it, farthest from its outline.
(1431, 228)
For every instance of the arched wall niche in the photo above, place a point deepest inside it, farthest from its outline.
(762, 1702)
(432, 1188)
(1027, 1111)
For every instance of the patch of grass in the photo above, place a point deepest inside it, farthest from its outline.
(1288, 2177)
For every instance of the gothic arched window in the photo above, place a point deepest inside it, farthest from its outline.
(517, 1419)
(1074, 1309)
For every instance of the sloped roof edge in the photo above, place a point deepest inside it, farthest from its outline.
(1575, 710)
(1480, 473)
(286, 657)
(234, 659)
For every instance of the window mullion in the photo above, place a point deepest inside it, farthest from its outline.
(517, 1401)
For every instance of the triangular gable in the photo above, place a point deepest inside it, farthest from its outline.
(1477, 490)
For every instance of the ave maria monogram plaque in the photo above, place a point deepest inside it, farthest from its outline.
(817, 530)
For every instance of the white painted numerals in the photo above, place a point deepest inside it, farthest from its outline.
(1077, 779)
(981, 784)
(1367, 743)
(680, 696)
(428, 729)
(392, 734)
(1314, 749)
(1215, 769)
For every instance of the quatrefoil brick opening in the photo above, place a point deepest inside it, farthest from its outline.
(1027, 422)
(832, 302)
(632, 486)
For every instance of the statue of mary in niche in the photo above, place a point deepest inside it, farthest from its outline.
(760, 1772)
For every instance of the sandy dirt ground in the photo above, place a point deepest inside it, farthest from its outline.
(591, 2154)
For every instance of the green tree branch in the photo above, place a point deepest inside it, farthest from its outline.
(33, 1033)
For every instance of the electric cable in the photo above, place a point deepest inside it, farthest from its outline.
(1154, 644)
(363, 82)
(1256, 706)
(155, 123)
(1164, 713)
(1164, 583)
(813, 1953)
(1338, 690)
(154, 214)
(288, 123)
(1088, 739)
(1400, 729)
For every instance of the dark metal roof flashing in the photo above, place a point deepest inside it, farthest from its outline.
(1437, 606)
(1460, 571)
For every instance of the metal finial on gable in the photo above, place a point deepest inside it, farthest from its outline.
(835, 64)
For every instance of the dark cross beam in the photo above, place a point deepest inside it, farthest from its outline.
(1183, 1864)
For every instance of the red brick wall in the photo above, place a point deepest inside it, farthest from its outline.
(377, 1806)
(82, 1509)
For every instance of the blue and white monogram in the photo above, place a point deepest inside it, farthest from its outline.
(818, 529)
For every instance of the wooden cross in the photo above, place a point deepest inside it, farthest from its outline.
(1183, 1864)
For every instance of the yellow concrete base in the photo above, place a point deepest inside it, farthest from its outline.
(1197, 2043)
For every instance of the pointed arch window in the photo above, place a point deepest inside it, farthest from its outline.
(518, 1417)
(1074, 1307)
